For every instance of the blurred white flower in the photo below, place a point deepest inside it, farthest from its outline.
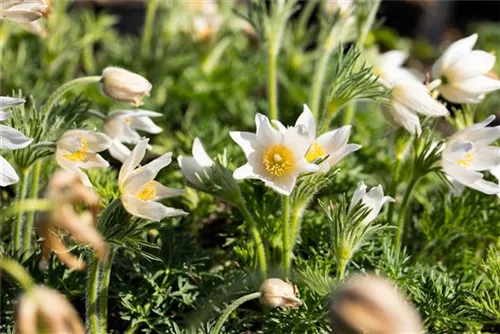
(389, 67)
(463, 72)
(275, 157)
(10, 139)
(78, 149)
(408, 99)
(139, 191)
(124, 86)
(468, 152)
(193, 167)
(22, 11)
(345, 7)
(122, 127)
(332, 143)
(373, 200)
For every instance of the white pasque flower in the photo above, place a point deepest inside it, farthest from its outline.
(332, 143)
(345, 7)
(22, 11)
(389, 67)
(373, 200)
(124, 86)
(10, 139)
(463, 72)
(468, 152)
(193, 167)
(122, 127)
(408, 99)
(78, 149)
(275, 157)
(139, 191)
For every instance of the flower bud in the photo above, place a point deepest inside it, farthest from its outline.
(372, 305)
(278, 293)
(124, 86)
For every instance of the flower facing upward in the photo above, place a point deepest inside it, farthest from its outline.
(122, 127)
(124, 86)
(139, 191)
(193, 167)
(373, 200)
(278, 293)
(77, 149)
(464, 72)
(276, 157)
(468, 152)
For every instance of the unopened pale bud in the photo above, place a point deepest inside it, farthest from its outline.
(372, 305)
(278, 293)
(124, 86)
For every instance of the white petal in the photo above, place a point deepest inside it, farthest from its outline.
(246, 140)
(12, 139)
(478, 85)
(393, 58)
(166, 192)
(94, 160)
(486, 158)
(305, 167)
(359, 193)
(335, 140)
(416, 97)
(461, 174)
(8, 175)
(455, 95)
(404, 117)
(283, 185)
(146, 173)
(307, 119)
(374, 200)
(145, 124)
(279, 125)
(148, 209)
(189, 168)
(119, 151)
(454, 52)
(478, 135)
(487, 187)
(6, 102)
(394, 75)
(298, 140)
(341, 154)
(200, 154)
(266, 135)
(72, 167)
(244, 172)
(21, 15)
(472, 64)
(133, 160)
(97, 141)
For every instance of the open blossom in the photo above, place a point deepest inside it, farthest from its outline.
(139, 191)
(276, 157)
(78, 149)
(10, 139)
(408, 99)
(464, 72)
(124, 86)
(193, 167)
(122, 127)
(23, 11)
(389, 67)
(373, 200)
(468, 152)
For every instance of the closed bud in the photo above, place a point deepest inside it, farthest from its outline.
(278, 293)
(372, 305)
(124, 86)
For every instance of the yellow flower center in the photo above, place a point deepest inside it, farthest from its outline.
(278, 160)
(466, 161)
(148, 192)
(81, 153)
(315, 151)
(128, 120)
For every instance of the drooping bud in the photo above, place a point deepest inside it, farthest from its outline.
(372, 304)
(124, 86)
(278, 293)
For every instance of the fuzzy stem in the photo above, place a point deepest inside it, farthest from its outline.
(318, 80)
(92, 291)
(147, 34)
(350, 111)
(392, 190)
(28, 227)
(297, 211)
(17, 271)
(341, 272)
(287, 256)
(234, 305)
(272, 84)
(21, 196)
(402, 212)
(103, 295)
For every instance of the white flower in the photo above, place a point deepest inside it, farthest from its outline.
(468, 152)
(345, 7)
(408, 99)
(275, 157)
(463, 72)
(124, 86)
(389, 67)
(139, 191)
(373, 200)
(496, 173)
(122, 127)
(332, 143)
(22, 11)
(10, 139)
(77, 149)
(193, 167)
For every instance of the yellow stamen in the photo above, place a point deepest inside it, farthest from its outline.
(466, 161)
(315, 151)
(81, 153)
(148, 192)
(128, 120)
(278, 160)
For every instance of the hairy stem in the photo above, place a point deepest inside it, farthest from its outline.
(392, 190)
(147, 34)
(234, 305)
(17, 271)
(318, 81)
(261, 252)
(92, 291)
(287, 256)
(28, 227)
(272, 84)
(402, 212)
(350, 111)
(19, 223)
(103, 295)
(341, 270)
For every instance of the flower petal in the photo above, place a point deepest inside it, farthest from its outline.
(8, 175)
(200, 154)
(472, 64)
(166, 192)
(359, 193)
(297, 139)
(486, 158)
(146, 173)
(189, 168)
(72, 167)
(393, 58)
(283, 185)
(454, 52)
(133, 160)
(245, 172)
(486, 187)
(119, 151)
(401, 115)
(455, 95)
(266, 135)
(145, 124)
(307, 119)
(12, 139)
(478, 85)
(148, 209)
(247, 141)
(416, 97)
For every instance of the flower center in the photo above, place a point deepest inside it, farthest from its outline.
(128, 120)
(148, 192)
(278, 160)
(81, 153)
(315, 151)
(466, 161)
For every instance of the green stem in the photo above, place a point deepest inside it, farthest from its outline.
(392, 190)
(103, 295)
(58, 93)
(21, 196)
(234, 305)
(319, 79)
(28, 227)
(92, 291)
(147, 34)
(14, 269)
(261, 252)
(295, 223)
(402, 212)
(341, 272)
(272, 85)
(287, 256)
(350, 111)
